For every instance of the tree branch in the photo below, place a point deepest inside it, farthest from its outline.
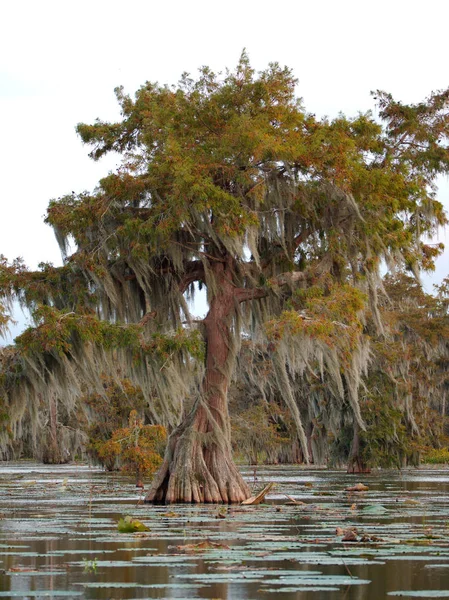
(245, 294)
(194, 272)
(215, 258)
(299, 239)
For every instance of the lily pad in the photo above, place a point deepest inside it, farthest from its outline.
(293, 590)
(40, 594)
(374, 509)
(323, 580)
(421, 593)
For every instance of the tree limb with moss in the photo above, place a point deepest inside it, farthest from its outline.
(227, 182)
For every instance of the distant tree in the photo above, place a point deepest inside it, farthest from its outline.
(108, 411)
(257, 434)
(407, 383)
(136, 449)
(402, 399)
(226, 182)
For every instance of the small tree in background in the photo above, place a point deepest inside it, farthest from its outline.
(109, 411)
(136, 449)
(405, 400)
(255, 434)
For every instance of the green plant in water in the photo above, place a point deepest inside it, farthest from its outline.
(129, 525)
(222, 512)
(90, 566)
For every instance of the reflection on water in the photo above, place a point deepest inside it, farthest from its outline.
(59, 538)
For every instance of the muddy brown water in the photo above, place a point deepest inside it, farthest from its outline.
(59, 538)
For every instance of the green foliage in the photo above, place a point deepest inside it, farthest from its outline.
(404, 404)
(332, 317)
(4, 319)
(56, 331)
(386, 442)
(56, 286)
(436, 456)
(165, 346)
(257, 432)
(129, 525)
(212, 147)
(108, 412)
(138, 448)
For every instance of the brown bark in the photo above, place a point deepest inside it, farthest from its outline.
(52, 452)
(355, 462)
(309, 434)
(198, 464)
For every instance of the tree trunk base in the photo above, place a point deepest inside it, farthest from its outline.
(197, 471)
(356, 464)
(53, 455)
(356, 468)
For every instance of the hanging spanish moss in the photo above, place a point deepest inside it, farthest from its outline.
(228, 183)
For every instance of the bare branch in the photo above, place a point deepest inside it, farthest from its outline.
(299, 239)
(187, 247)
(287, 278)
(194, 272)
(244, 294)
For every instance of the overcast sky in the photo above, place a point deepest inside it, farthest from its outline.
(60, 61)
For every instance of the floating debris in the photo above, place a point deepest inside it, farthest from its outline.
(358, 487)
(260, 497)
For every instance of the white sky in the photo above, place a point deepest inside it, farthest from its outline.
(60, 61)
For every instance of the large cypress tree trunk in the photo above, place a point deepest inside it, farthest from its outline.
(198, 464)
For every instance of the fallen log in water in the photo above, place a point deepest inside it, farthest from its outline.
(260, 496)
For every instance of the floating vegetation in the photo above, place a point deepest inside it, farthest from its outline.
(276, 548)
(40, 594)
(130, 525)
(421, 594)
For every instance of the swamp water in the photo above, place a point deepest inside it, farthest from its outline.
(59, 538)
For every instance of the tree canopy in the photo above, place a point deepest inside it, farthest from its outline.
(227, 182)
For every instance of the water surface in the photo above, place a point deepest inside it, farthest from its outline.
(59, 538)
